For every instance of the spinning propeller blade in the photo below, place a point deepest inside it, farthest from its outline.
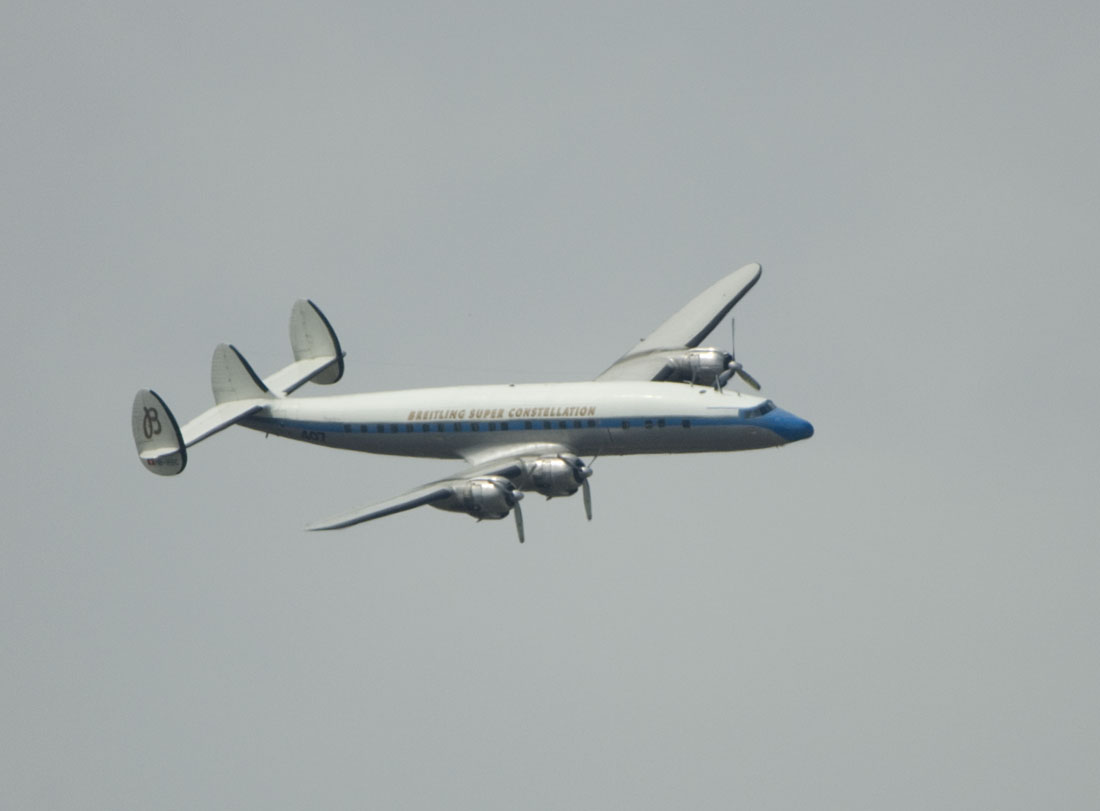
(519, 520)
(748, 379)
(512, 496)
(733, 367)
(581, 472)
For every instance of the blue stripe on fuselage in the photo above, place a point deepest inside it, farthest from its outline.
(782, 423)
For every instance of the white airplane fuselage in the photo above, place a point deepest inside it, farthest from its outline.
(591, 418)
(666, 394)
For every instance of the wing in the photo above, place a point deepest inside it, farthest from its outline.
(506, 462)
(685, 330)
(427, 494)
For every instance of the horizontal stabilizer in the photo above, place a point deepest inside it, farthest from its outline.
(292, 377)
(160, 444)
(217, 419)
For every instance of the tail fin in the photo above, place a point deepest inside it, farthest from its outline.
(162, 444)
(233, 379)
(157, 435)
(317, 353)
(313, 338)
(238, 391)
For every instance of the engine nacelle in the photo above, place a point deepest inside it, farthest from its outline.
(489, 497)
(699, 366)
(555, 476)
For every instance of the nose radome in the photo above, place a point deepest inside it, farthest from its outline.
(791, 427)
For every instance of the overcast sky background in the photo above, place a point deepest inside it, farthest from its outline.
(899, 613)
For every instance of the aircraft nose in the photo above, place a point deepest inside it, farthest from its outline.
(790, 427)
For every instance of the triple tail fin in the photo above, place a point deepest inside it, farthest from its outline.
(238, 391)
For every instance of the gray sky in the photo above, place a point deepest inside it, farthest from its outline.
(901, 612)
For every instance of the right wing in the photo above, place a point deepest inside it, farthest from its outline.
(684, 330)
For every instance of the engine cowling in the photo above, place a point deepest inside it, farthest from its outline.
(488, 497)
(556, 476)
(699, 366)
(707, 366)
(561, 475)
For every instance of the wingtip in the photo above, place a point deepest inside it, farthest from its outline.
(755, 268)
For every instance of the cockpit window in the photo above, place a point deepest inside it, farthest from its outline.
(757, 410)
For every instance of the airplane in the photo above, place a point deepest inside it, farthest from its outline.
(665, 395)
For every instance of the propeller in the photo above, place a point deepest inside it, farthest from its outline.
(519, 518)
(581, 472)
(512, 496)
(734, 367)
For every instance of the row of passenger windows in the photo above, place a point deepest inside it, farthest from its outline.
(534, 425)
(660, 423)
(458, 427)
(529, 425)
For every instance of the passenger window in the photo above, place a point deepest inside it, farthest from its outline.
(660, 423)
(528, 425)
(626, 424)
(685, 423)
(591, 423)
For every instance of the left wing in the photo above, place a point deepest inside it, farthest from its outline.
(488, 488)
(649, 360)
(428, 494)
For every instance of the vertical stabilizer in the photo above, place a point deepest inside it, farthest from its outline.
(157, 435)
(232, 378)
(318, 357)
